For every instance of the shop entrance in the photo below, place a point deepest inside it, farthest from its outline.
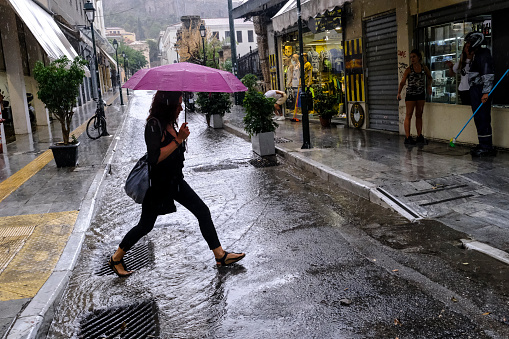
(382, 72)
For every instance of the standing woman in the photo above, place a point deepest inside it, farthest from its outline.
(415, 95)
(165, 151)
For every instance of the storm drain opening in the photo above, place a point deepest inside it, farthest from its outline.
(132, 321)
(138, 257)
(280, 140)
(264, 162)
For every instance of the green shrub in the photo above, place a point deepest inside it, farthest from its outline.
(249, 80)
(325, 104)
(258, 118)
(214, 103)
(59, 88)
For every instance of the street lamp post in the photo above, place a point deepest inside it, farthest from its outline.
(115, 45)
(90, 12)
(203, 32)
(125, 69)
(304, 94)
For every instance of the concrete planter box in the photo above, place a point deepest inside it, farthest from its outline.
(216, 121)
(263, 144)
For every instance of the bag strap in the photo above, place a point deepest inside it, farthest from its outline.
(158, 124)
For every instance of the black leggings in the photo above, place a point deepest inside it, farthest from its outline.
(188, 198)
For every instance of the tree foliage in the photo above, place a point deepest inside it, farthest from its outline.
(135, 59)
(59, 88)
(214, 103)
(259, 108)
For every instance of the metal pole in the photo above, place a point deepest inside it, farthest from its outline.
(119, 79)
(233, 47)
(204, 56)
(100, 103)
(303, 95)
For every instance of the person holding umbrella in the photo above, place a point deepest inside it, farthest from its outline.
(165, 149)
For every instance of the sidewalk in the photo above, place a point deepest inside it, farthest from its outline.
(432, 181)
(44, 213)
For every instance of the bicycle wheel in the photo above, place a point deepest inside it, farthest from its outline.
(95, 127)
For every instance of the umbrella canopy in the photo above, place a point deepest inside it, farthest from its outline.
(185, 77)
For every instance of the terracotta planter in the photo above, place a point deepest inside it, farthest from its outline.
(65, 155)
(325, 122)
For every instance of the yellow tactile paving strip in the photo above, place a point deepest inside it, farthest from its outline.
(34, 262)
(12, 183)
(12, 240)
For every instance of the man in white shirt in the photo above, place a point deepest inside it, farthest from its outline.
(280, 100)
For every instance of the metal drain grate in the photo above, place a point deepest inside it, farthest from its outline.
(279, 140)
(138, 257)
(262, 162)
(132, 321)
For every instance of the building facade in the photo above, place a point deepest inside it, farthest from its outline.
(365, 46)
(219, 28)
(44, 30)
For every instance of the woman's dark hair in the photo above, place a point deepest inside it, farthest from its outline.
(164, 107)
(418, 53)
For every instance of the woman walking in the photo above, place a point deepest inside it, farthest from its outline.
(165, 151)
(415, 95)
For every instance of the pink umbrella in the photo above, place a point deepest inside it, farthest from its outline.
(185, 77)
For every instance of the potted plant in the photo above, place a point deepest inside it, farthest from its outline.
(59, 83)
(325, 106)
(258, 121)
(214, 105)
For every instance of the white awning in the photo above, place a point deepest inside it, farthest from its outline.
(44, 29)
(109, 57)
(287, 16)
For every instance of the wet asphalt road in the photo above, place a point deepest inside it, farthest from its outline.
(320, 263)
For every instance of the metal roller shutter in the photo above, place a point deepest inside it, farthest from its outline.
(382, 75)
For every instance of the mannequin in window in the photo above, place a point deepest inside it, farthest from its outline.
(308, 72)
(293, 75)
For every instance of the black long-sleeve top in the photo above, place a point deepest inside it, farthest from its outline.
(168, 172)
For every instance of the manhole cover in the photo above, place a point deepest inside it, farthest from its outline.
(279, 140)
(132, 321)
(138, 257)
(262, 162)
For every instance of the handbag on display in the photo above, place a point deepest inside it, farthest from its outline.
(138, 180)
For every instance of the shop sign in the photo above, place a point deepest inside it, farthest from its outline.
(327, 21)
(354, 72)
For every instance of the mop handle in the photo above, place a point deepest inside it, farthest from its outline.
(482, 103)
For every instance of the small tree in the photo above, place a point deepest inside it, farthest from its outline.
(259, 109)
(59, 88)
(214, 103)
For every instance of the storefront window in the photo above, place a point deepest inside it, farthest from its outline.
(324, 65)
(444, 44)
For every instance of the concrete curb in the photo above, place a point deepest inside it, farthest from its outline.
(486, 249)
(36, 318)
(359, 187)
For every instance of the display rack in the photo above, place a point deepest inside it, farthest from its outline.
(448, 46)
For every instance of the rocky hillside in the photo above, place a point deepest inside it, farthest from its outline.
(147, 18)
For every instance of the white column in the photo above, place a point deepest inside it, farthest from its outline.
(15, 78)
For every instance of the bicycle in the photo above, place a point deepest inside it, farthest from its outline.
(96, 126)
